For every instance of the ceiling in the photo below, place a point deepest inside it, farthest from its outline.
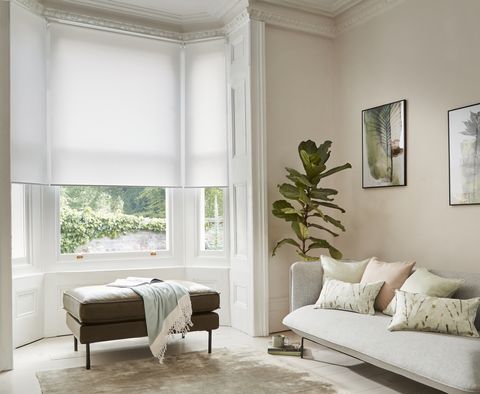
(184, 12)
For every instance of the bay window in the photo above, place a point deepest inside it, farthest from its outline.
(20, 224)
(109, 219)
(212, 219)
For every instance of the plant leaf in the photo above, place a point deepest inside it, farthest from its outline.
(305, 257)
(323, 228)
(322, 244)
(323, 194)
(335, 169)
(300, 230)
(296, 176)
(330, 205)
(284, 210)
(289, 191)
(335, 222)
(285, 241)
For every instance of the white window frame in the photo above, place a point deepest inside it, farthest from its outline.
(200, 225)
(26, 261)
(150, 256)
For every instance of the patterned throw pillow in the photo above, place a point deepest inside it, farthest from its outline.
(424, 282)
(354, 297)
(418, 312)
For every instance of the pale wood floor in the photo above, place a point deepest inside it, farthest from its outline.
(347, 373)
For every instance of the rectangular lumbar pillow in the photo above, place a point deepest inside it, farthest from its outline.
(345, 271)
(393, 274)
(424, 282)
(418, 312)
(354, 297)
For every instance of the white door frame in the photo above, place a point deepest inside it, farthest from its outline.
(6, 334)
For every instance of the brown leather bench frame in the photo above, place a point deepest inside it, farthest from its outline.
(132, 327)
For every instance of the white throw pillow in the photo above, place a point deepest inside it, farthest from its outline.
(351, 271)
(418, 312)
(354, 297)
(424, 282)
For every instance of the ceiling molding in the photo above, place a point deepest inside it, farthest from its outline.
(56, 15)
(237, 22)
(32, 5)
(330, 9)
(363, 12)
(323, 27)
(234, 17)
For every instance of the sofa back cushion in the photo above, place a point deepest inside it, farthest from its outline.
(343, 270)
(470, 289)
(393, 274)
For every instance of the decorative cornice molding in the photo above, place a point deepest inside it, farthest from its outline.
(31, 5)
(363, 12)
(324, 28)
(276, 16)
(237, 22)
(56, 15)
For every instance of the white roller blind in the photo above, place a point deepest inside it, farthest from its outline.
(28, 96)
(114, 109)
(205, 121)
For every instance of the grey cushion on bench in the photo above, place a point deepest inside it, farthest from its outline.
(106, 304)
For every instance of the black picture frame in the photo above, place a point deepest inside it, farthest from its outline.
(458, 135)
(371, 163)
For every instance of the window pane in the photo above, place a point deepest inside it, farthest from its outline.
(100, 219)
(213, 232)
(19, 242)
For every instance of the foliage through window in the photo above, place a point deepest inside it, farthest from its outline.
(102, 219)
(19, 223)
(212, 219)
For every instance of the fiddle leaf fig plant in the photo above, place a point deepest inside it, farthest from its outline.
(306, 203)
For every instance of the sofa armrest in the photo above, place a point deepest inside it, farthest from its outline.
(305, 283)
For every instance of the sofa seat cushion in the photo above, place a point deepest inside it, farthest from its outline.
(105, 304)
(447, 359)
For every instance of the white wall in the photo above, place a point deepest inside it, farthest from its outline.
(424, 52)
(299, 106)
(6, 361)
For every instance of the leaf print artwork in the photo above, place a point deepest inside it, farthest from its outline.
(384, 145)
(464, 155)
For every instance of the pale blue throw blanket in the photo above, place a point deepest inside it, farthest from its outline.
(168, 310)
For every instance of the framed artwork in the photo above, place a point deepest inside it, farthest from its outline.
(384, 145)
(464, 155)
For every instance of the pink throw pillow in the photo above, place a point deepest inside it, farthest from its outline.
(393, 274)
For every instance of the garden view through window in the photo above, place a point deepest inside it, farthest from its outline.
(212, 225)
(104, 219)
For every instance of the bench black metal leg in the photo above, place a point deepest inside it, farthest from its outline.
(87, 366)
(209, 341)
(301, 349)
(75, 344)
(183, 335)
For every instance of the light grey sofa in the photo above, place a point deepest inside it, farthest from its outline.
(446, 362)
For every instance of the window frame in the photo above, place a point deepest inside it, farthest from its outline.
(200, 225)
(152, 255)
(25, 262)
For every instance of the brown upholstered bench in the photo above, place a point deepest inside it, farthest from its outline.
(104, 313)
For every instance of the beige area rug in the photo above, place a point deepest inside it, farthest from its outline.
(223, 371)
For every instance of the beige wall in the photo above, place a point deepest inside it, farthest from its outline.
(299, 106)
(422, 51)
(427, 53)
